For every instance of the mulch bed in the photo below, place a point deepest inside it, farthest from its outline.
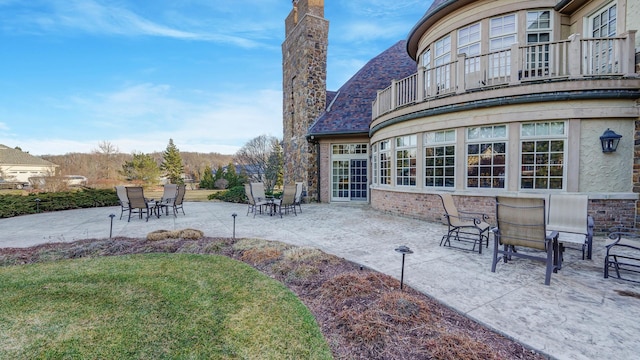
(363, 314)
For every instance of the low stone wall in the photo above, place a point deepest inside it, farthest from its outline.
(606, 213)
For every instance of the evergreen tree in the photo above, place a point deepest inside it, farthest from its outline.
(231, 176)
(141, 168)
(274, 172)
(219, 173)
(207, 181)
(172, 164)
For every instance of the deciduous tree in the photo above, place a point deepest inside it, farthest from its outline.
(254, 158)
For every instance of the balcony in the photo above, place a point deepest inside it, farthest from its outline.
(567, 60)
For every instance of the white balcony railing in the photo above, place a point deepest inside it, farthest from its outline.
(573, 58)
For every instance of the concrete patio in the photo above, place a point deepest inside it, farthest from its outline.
(580, 315)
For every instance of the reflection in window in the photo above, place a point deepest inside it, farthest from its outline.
(538, 32)
(469, 44)
(442, 64)
(502, 34)
(406, 152)
(342, 149)
(486, 159)
(440, 158)
(374, 164)
(385, 162)
(542, 155)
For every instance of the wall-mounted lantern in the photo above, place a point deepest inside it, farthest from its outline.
(609, 141)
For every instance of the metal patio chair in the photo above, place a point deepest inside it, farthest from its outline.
(121, 191)
(137, 203)
(568, 216)
(622, 257)
(464, 226)
(522, 224)
(286, 203)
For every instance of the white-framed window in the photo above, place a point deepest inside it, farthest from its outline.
(426, 64)
(602, 26)
(385, 162)
(502, 34)
(539, 31)
(406, 152)
(442, 64)
(374, 164)
(469, 44)
(487, 157)
(604, 22)
(440, 158)
(542, 153)
(344, 149)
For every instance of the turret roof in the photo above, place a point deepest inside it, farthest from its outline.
(349, 109)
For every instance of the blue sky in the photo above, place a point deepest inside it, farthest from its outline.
(135, 73)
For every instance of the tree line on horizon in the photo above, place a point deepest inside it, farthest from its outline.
(106, 166)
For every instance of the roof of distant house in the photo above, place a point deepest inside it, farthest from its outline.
(10, 156)
(349, 109)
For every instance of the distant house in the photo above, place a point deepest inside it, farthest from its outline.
(252, 172)
(18, 166)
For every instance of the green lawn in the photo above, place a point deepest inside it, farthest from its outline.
(152, 306)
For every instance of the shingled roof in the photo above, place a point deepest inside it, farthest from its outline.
(349, 109)
(9, 156)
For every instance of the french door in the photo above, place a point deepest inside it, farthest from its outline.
(349, 181)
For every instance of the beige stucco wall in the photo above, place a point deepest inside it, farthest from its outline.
(633, 18)
(600, 172)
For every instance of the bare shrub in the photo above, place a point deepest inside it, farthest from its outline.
(261, 256)
(452, 346)
(346, 286)
(247, 244)
(191, 234)
(158, 235)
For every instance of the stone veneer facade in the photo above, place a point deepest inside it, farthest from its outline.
(304, 64)
(636, 163)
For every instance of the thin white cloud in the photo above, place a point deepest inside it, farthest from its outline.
(106, 18)
(143, 117)
(385, 8)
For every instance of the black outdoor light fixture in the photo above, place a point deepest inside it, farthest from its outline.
(37, 205)
(404, 250)
(609, 141)
(234, 224)
(111, 226)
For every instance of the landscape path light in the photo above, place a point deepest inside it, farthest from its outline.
(404, 250)
(37, 205)
(111, 227)
(234, 225)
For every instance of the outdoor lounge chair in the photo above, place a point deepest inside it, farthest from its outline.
(169, 193)
(254, 205)
(298, 199)
(178, 201)
(122, 198)
(568, 216)
(464, 226)
(257, 190)
(137, 203)
(286, 203)
(623, 254)
(521, 223)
